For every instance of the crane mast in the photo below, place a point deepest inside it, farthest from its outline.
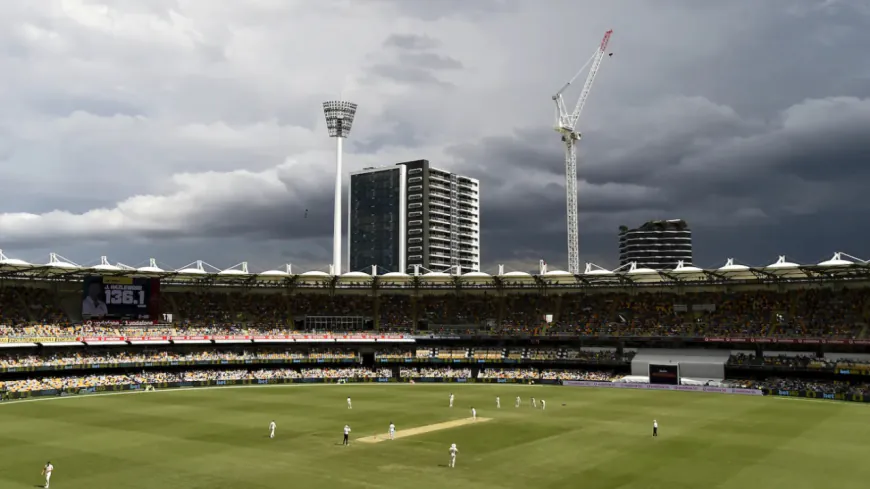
(566, 125)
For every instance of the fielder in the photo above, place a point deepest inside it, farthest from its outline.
(48, 469)
(453, 452)
(543, 404)
(534, 403)
(272, 427)
(392, 431)
(518, 402)
(451, 399)
(349, 404)
(498, 403)
(474, 414)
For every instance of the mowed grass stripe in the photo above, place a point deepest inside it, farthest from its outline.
(599, 438)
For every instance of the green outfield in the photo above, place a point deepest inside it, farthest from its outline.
(587, 438)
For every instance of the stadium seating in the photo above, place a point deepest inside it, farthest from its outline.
(821, 313)
(757, 316)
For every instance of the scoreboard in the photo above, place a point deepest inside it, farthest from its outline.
(664, 374)
(120, 298)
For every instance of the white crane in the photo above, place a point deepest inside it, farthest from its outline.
(566, 124)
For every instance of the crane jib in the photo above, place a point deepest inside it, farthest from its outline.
(566, 124)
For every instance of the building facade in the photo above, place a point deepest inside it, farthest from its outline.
(659, 245)
(411, 214)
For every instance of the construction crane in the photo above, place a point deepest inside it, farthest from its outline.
(566, 125)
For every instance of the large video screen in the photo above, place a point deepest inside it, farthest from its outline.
(120, 298)
(664, 374)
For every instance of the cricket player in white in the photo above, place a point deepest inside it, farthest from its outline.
(272, 427)
(453, 452)
(474, 414)
(451, 399)
(518, 401)
(534, 403)
(349, 404)
(543, 404)
(498, 403)
(392, 431)
(48, 469)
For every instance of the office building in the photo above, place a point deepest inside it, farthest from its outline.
(656, 244)
(410, 215)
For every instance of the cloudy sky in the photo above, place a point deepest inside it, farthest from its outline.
(192, 129)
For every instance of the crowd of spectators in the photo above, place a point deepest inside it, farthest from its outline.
(147, 377)
(73, 357)
(396, 312)
(508, 373)
(806, 362)
(817, 386)
(546, 374)
(813, 312)
(517, 354)
(446, 373)
(841, 313)
(68, 357)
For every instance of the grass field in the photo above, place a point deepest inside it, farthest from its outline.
(587, 438)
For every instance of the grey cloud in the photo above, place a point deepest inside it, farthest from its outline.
(809, 162)
(749, 119)
(411, 42)
(390, 134)
(413, 67)
(429, 61)
(406, 74)
(432, 11)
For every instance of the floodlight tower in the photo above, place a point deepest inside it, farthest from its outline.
(566, 124)
(339, 119)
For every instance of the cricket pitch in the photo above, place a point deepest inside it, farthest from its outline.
(423, 429)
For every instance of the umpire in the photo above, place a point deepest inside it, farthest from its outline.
(346, 433)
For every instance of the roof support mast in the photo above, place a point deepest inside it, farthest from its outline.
(566, 124)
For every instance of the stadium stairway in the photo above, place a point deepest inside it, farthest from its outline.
(173, 306)
(376, 312)
(17, 298)
(557, 314)
(69, 304)
(11, 296)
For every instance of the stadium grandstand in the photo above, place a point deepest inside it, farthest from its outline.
(783, 327)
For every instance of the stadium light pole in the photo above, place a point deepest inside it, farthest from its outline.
(339, 119)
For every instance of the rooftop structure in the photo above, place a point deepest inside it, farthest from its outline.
(656, 244)
(840, 267)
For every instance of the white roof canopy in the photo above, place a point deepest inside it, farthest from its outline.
(840, 265)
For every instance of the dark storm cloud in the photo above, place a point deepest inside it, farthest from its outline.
(198, 134)
(390, 133)
(413, 68)
(738, 181)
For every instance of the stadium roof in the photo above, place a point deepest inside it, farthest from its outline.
(840, 266)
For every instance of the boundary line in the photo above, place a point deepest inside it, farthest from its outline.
(250, 386)
(11, 402)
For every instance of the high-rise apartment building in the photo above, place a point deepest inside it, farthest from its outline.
(656, 244)
(413, 214)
